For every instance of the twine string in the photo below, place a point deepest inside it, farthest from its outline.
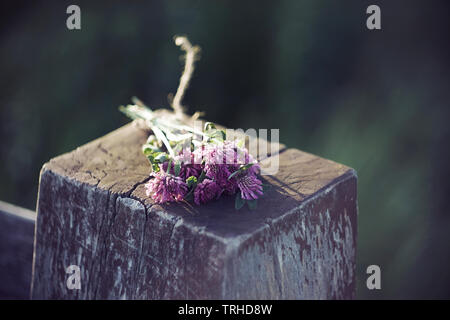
(189, 58)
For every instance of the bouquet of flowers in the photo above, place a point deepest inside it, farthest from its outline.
(190, 164)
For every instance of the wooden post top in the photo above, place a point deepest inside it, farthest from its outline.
(299, 243)
(116, 164)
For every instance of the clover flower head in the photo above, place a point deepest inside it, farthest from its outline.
(165, 187)
(250, 186)
(217, 172)
(206, 191)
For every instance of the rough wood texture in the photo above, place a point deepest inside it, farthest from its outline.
(16, 251)
(93, 212)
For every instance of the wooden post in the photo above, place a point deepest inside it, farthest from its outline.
(93, 213)
(16, 251)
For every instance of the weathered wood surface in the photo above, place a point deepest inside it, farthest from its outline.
(93, 212)
(16, 251)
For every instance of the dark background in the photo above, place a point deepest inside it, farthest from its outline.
(377, 101)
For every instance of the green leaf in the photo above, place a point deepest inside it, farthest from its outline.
(191, 181)
(192, 184)
(243, 168)
(169, 166)
(162, 157)
(252, 204)
(219, 135)
(202, 177)
(155, 167)
(177, 168)
(149, 149)
(224, 135)
(214, 135)
(238, 201)
(233, 174)
(208, 126)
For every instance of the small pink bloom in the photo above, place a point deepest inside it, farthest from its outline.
(250, 187)
(206, 191)
(165, 187)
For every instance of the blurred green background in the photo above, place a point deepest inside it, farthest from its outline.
(374, 100)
